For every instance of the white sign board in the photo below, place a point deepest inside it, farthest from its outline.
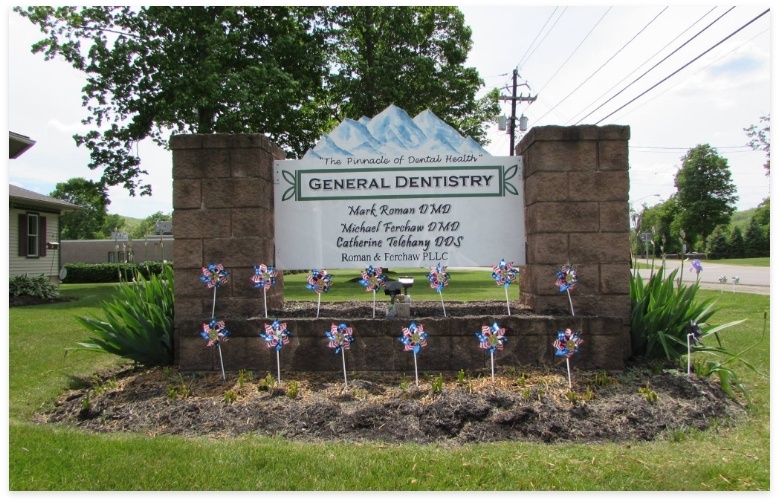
(423, 206)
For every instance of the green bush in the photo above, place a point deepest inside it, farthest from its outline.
(139, 322)
(37, 286)
(110, 272)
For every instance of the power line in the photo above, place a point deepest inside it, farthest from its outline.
(688, 63)
(522, 59)
(578, 87)
(572, 53)
(642, 64)
(657, 64)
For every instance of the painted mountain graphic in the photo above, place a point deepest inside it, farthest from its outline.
(394, 133)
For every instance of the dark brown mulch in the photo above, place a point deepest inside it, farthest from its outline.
(533, 405)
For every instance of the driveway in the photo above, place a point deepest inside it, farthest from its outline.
(751, 279)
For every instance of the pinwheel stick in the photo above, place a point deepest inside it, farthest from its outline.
(508, 306)
(265, 302)
(688, 355)
(213, 304)
(568, 366)
(343, 359)
(492, 366)
(416, 375)
(568, 291)
(221, 363)
(278, 368)
(374, 303)
(442, 302)
(318, 301)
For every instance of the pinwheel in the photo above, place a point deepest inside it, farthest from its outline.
(567, 344)
(735, 282)
(264, 278)
(492, 339)
(340, 338)
(414, 339)
(319, 281)
(566, 280)
(693, 338)
(214, 276)
(215, 332)
(439, 278)
(276, 335)
(722, 280)
(372, 279)
(504, 274)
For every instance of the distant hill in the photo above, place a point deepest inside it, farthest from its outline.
(741, 219)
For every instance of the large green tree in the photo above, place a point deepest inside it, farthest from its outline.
(291, 73)
(760, 139)
(411, 56)
(705, 192)
(661, 220)
(148, 225)
(92, 220)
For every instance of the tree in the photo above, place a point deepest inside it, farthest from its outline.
(736, 243)
(705, 193)
(717, 244)
(763, 212)
(291, 73)
(152, 71)
(90, 221)
(148, 225)
(661, 221)
(761, 140)
(412, 57)
(755, 241)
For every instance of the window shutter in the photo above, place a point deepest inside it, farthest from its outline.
(22, 235)
(41, 236)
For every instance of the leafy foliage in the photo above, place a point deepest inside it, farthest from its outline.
(717, 244)
(139, 321)
(110, 272)
(705, 191)
(37, 286)
(148, 225)
(760, 139)
(92, 220)
(290, 73)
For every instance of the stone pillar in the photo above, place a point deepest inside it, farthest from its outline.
(223, 212)
(576, 211)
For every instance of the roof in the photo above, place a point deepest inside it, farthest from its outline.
(18, 144)
(27, 196)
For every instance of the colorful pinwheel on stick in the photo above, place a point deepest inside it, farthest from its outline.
(566, 280)
(693, 339)
(276, 335)
(567, 344)
(214, 276)
(504, 274)
(492, 338)
(319, 281)
(372, 279)
(215, 332)
(439, 278)
(414, 339)
(264, 278)
(340, 339)
(722, 280)
(735, 282)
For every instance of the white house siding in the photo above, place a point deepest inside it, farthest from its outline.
(48, 265)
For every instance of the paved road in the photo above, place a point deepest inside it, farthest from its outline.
(751, 279)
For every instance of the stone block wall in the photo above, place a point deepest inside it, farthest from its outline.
(576, 212)
(223, 212)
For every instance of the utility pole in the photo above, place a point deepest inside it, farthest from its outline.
(514, 98)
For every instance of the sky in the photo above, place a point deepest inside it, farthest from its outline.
(572, 59)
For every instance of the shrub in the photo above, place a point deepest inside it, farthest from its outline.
(139, 322)
(37, 286)
(111, 272)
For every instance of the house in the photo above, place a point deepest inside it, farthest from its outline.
(33, 225)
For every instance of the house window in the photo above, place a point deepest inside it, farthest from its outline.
(32, 235)
(111, 258)
(33, 231)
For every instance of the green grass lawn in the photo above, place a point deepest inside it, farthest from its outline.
(755, 262)
(57, 458)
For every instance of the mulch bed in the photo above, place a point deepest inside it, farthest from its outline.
(533, 405)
